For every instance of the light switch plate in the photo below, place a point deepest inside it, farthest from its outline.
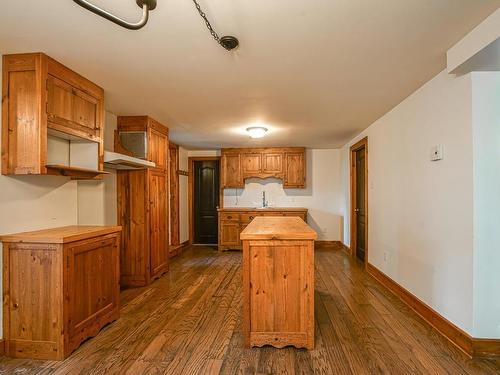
(437, 152)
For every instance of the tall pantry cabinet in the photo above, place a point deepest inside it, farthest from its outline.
(143, 203)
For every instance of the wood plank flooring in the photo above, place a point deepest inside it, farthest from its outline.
(189, 322)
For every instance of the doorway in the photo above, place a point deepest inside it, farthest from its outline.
(359, 200)
(205, 177)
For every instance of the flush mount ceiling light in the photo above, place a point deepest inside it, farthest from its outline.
(228, 42)
(256, 131)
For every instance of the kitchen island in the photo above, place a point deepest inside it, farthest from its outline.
(278, 282)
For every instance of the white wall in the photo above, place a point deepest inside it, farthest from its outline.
(420, 212)
(486, 133)
(97, 200)
(322, 195)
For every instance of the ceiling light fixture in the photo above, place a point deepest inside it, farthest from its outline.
(229, 42)
(146, 6)
(256, 131)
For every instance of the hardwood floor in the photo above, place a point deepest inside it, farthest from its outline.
(189, 322)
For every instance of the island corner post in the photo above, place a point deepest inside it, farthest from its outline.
(278, 282)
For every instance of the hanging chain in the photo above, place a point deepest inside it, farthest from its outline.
(207, 22)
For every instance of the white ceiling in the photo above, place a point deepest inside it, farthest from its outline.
(316, 71)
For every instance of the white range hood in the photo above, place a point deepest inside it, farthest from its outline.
(119, 161)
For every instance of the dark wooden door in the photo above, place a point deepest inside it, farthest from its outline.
(360, 203)
(206, 201)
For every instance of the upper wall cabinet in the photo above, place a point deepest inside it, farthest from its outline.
(295, 170)
(146, 138)
(231, 170)
(287, 164)
(52, 119)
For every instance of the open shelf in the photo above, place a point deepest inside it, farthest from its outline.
(76, 173)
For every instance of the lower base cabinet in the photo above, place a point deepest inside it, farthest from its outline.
(232, 221)
(60, 288)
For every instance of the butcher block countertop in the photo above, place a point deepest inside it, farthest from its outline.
(61, 235)
(267, 209)
(278, 228)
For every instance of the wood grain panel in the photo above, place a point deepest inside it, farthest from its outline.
(280, 293)
(58, 295)
(158, 222)
(23, 126)
(132, 189)
(231, 171)
(294, 170)
(174, 195)
(272, 163)
(251, 163)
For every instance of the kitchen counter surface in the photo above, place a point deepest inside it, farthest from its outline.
(268, 209)
(61, 234)
(278, 228)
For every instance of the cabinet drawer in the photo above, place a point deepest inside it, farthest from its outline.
(229, 216)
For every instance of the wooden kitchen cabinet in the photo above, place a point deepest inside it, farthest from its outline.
(232, 221)
(229, 233)
(232, 176)
(295, 170)
(285, 163)
(251, 163)
(272, 163)
(42, 99)
(61, 286)
(143, 207)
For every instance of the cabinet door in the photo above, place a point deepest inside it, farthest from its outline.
(231, 171)
(229, 233)
(272, 163)
(251, 163)
(33, 297)
(71, 110)
(157, 151)
(93, 283)
(158, 222)
(295, 170)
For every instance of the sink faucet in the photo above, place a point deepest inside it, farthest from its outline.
(264, 202)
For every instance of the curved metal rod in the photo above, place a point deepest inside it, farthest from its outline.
(103, 13)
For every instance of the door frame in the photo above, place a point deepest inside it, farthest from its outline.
(174, 204)
(191, 161)
(362, 144)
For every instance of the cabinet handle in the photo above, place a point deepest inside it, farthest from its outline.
(229, 217)
(251, 217)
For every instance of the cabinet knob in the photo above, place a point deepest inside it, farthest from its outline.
(229, 217)
(251, 217)
(16, 305)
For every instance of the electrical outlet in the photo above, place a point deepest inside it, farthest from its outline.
(437, 152)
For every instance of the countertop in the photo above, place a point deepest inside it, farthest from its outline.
(278, 228)
(61, 235)
(268, 209)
